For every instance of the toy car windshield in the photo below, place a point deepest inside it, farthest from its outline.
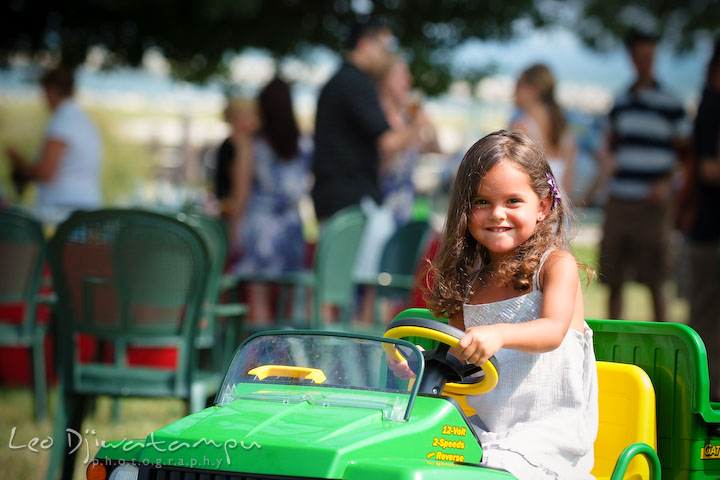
(329, 369)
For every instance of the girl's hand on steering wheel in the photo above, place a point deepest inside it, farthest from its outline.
(401, 369)
(480, 343)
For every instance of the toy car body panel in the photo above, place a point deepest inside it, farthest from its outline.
(327, 406)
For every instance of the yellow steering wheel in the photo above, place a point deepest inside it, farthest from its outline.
(449, 336)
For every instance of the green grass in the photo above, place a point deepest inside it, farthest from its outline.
(138, 418)
(637, 302)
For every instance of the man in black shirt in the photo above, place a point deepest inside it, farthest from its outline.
(350, 127)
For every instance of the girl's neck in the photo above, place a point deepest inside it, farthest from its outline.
(489, 287)
(489, 276)
(498, 258)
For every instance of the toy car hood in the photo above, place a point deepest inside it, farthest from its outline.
(347, 421)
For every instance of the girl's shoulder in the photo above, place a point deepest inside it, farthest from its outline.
(558, 254)
(556, 262)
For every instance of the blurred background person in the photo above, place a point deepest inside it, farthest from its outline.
(542, 119)
(242, 118)
(704, 232)
(351, 130)
(402, 108)
(67, 168)
(648, 129)
(269, 175)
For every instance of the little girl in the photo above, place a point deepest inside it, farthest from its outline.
(505, 276)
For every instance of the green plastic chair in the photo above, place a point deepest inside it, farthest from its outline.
(219, 327)
(330, 281)
(398, 264)
(125, 278)
(334, 261)
(222, 321)
(22, 254)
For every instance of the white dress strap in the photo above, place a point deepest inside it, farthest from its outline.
(536, 276)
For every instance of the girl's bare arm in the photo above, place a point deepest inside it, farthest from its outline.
(560, 283)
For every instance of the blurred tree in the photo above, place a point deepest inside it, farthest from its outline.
(199, 37)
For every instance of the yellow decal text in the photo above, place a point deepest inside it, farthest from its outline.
(454, 430)
(450, 457)
(442, 443)
(710, 452)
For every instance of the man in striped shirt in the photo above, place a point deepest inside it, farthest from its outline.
(647, 128)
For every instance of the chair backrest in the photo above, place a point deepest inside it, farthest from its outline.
(22, 253)
(626, 401)
(213, 233)
(335, 256)
(402, 250)
(124, 277)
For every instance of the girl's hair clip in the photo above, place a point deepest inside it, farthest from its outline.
(553, 189)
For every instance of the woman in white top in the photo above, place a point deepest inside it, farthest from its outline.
(543, 121)
(67, 169)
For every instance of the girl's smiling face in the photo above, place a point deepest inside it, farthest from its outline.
(505, 210)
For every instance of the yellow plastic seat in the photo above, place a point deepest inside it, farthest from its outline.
(626, 444)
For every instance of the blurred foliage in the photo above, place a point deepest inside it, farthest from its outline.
(198, 37)
(679, 22)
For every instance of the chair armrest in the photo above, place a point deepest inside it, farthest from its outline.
(629, 453)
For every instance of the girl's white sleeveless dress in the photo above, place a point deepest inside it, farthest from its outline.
(542, 418)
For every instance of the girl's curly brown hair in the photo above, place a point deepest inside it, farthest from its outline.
(460, 255)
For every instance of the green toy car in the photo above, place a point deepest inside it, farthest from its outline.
(326, 405)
